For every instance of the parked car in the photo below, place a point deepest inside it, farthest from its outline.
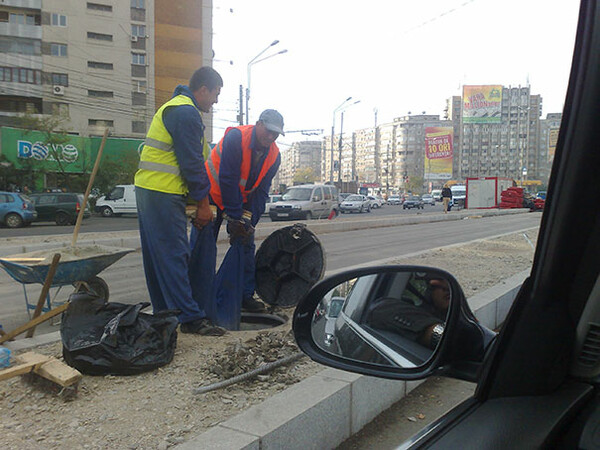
(355, 203)
(541, 195)
(394, 200)
(428, 199)
(376, 202)
(273, 198)
(121, 200)
(60, 207)
(414, 201)
(16, 210)
(550, 330)
(306, 201)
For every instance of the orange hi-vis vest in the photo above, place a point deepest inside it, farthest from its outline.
(214, 162)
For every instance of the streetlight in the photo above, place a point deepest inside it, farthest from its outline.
(255, 60)
(340, 145)
(332, 135)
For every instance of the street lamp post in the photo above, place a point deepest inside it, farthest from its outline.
(255, 60)
(340, 141)
(333, 135)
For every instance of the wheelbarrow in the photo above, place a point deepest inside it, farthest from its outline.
(79, 266)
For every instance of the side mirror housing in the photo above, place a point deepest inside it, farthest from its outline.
(398, 322)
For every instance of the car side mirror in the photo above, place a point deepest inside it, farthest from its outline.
(402, 322)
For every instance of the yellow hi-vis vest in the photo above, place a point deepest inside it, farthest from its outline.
(158, 169)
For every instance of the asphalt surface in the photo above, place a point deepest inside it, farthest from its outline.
(126, 280)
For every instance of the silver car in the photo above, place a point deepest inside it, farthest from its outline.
(355, 203)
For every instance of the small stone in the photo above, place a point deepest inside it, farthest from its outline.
(263, 377)
(411, 419)
(227, 401)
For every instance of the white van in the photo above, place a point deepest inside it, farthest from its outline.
(121, 200)
(305, 201)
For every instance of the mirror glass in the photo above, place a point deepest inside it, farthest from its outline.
(391, 318)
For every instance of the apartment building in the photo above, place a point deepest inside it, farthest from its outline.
(300, 156)
(101, 63)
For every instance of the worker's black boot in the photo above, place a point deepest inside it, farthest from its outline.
(252, 305)
(203, 327)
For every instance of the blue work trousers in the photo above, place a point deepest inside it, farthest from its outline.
(249, 262)
(166, 252)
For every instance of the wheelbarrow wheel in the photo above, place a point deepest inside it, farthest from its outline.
(99, 287)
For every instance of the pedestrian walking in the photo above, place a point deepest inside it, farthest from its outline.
(446, 197)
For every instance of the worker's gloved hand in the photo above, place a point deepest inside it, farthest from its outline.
(240, 231)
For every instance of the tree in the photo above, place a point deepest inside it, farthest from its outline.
(52, 128)
(306, 175)
(415, 184)
(112, 172)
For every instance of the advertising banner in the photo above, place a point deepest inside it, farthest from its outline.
(438, 153)
(35, 150)
(482, 104)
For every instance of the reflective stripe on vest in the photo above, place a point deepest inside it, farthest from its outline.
(213, 165)
(158, 167)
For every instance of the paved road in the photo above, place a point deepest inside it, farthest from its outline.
(343, 249)
(128, 222)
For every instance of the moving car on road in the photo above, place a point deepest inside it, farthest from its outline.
(428, 199)
(16, 210)
(394, 200)
(376, 202)
(306, 201)
(414, 201)
(355, 203)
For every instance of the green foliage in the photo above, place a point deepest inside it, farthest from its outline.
(112, 172)
(415, 184)
(306, 175)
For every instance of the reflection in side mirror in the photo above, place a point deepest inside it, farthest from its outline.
(391, 318)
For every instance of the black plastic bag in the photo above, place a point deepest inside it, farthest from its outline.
(114, 338)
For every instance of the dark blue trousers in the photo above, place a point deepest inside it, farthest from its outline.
(166, 252)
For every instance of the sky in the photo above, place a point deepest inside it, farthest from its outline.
(393, 56)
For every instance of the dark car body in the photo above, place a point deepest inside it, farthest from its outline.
(59, 207)
(414, 201)
(16, 209)
(538, 378)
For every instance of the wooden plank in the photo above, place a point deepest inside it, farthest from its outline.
(15, 259)
(44, 292)
(32, 361)
(58, 372)
(34, 322)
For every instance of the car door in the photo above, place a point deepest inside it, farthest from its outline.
(318, 202)
(45, 205)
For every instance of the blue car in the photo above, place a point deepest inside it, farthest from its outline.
(16, 210)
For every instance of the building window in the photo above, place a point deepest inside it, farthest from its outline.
(58, 50)
(99, 7)
(140, 4)
(61, 109)
(140, 86)
(101, 123)
(60, 79)
(29, 76)
(24, 19)
(100, 36)
(59, 20)
(100, 65)
(138, 126)
(103, 94)
(138, 30)
(138, 59)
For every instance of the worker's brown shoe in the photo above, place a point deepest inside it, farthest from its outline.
(203, 327)
(252, 305)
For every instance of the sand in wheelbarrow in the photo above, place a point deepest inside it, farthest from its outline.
(67, 253)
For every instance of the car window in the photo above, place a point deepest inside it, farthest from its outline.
(300, 194)
(354, 198)
(327, 193)
(117, 193)
(317, 195)
(4, 198)
(46, 199)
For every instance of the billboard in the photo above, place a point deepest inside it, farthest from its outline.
(438, 153)
(482, 104)
(27, 149)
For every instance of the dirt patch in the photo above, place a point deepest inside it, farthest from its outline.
(158, 409)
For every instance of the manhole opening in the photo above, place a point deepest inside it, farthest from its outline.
(255, 321)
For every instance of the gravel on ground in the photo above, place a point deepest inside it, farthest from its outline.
(157, 409)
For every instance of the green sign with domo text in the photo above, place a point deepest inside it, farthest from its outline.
(27, 149)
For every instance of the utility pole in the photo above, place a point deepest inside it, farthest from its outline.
(340, 151)
(240, 116)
